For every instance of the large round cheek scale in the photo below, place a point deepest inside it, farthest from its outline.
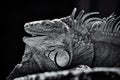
(62, 58)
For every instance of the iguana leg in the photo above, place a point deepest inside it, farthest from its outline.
(28, 53)
(28, 67)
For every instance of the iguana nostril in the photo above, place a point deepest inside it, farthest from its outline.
(26, 25)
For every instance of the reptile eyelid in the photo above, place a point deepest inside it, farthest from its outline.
(47, 25)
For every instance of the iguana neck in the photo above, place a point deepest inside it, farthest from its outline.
(82, 51)
(105, 54)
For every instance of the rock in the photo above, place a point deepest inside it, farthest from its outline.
(88, 74)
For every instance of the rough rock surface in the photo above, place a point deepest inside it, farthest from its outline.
(86, 74)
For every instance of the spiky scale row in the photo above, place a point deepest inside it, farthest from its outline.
(117, 26)
(108, 29)
(112, 26)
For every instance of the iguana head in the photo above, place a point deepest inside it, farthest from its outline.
(70, 24)
(46, 27)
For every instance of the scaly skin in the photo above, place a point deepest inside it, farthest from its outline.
(105, 36)
(78, 39)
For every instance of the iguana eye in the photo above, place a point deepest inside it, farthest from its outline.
(47, 25)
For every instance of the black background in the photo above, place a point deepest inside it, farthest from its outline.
(14, 14)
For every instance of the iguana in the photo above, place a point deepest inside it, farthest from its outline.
(69, 39)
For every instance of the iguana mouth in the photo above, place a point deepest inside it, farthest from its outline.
(32, 33)
(28, 34)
